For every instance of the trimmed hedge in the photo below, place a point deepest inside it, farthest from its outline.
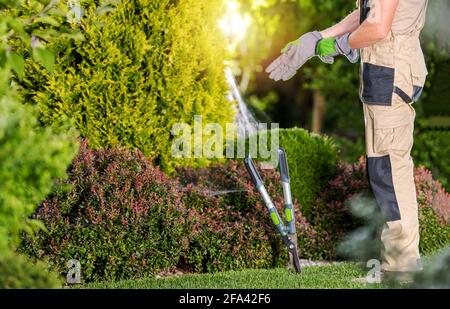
(143, 66)
(223, 238)
(434, 215)
(117, 214)
(431, 149)
(312, 160)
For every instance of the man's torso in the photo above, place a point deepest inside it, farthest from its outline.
(395, 65)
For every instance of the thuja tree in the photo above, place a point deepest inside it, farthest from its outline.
(144, 65)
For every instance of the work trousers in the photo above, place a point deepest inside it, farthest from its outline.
(389, 140)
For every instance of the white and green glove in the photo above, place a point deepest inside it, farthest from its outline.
(337, 46)
(309, 45)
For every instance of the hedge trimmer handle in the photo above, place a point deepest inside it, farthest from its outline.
(288, 234)
(286, 184)
(284, 168)
(259, 184)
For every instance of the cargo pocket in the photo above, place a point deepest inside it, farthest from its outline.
(403, 87)
(393, 130)
(419, 74)
(378, 84)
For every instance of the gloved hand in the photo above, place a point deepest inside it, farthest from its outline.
(311, 44)
(337, 46)
(294, 56)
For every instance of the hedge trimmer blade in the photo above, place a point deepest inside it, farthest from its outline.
(293, 250)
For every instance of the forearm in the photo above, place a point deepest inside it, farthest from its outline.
(375, 28)
(367, 35)
(348, 24)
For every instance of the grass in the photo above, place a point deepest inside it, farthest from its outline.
(325, 277)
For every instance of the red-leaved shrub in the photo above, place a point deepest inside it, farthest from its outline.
(431, 193)
(119, 215)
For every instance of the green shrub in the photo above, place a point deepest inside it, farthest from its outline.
(117, 214)
(431, 149)
(433, 234)
(312, 163)
(143, 66)
(30, 157)
(349, 150)
(17, 272)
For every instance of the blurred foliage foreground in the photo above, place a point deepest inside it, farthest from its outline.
(31, 157)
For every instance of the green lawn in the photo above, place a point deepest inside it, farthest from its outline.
(327, 277)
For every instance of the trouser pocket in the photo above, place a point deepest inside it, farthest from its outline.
(393, 130)
(378, 84)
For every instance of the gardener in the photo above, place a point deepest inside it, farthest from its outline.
(393, 74)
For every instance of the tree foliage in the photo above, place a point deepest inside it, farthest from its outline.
(144, 66)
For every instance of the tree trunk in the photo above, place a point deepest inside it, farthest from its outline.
(318, 111)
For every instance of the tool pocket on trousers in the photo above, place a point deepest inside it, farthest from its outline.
(378, 84)
(393, 131)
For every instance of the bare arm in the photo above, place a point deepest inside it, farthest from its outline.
(348, 24)
(377, 26)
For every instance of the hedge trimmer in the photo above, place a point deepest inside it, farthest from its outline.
(288, 233)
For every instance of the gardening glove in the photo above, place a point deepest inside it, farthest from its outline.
(295, 55)
(337, 46)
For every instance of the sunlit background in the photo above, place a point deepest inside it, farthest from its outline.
(234, 24)
(323, 98)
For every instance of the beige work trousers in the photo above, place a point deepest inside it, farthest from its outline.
(389, 140)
